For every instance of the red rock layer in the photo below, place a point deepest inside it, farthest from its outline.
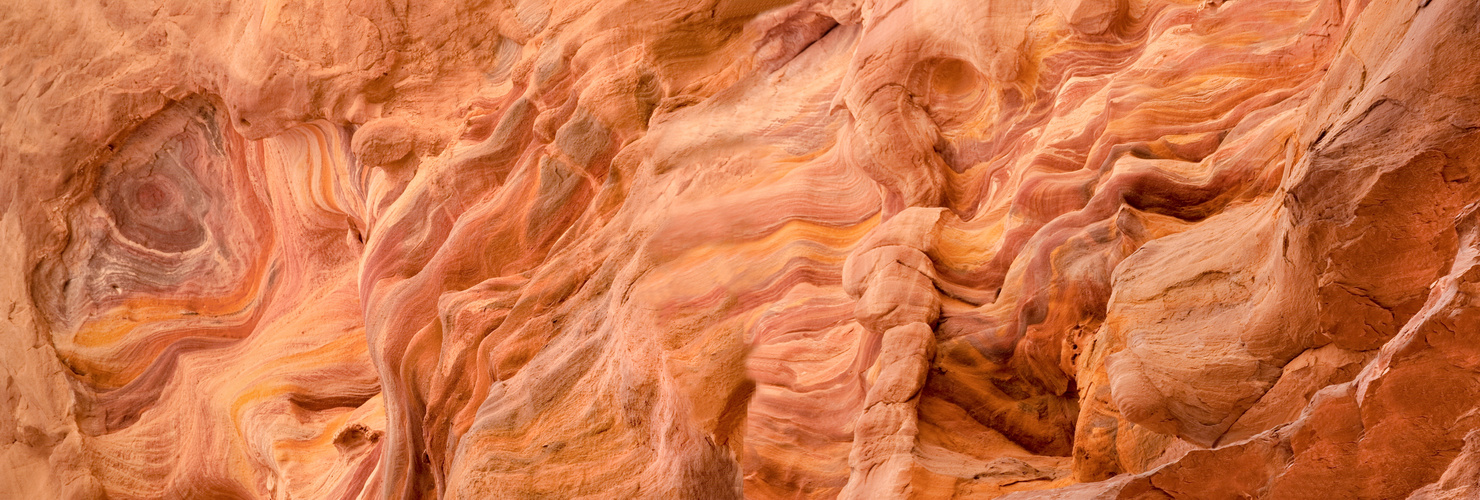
(771, 249)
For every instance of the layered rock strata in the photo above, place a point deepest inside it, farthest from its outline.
(740, 248)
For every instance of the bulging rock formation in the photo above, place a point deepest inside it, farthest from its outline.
(1056, 249)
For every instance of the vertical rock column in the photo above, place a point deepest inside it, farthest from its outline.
(894, 281)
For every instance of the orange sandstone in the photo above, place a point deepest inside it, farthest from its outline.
(740, 248)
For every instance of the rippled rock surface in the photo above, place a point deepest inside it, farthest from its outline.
(1059, 249)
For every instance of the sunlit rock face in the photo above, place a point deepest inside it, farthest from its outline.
(740, 248)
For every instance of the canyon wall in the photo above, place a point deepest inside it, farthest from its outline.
(1058, 249)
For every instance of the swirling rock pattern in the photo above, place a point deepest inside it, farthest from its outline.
(740, 248)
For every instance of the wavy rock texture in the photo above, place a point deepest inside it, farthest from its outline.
(673, 249)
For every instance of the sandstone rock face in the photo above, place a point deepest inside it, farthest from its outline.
(1060, 249)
